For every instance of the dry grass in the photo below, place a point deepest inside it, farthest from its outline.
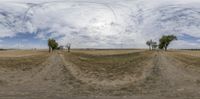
(26, 61)
(108, 65)
(190, 58)
(191, 53)
(21, 53)
(106, 52)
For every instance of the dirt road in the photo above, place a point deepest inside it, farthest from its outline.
(56, 79)
(180, 82)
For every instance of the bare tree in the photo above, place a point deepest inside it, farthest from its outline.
(68, 46)
(149, 43)
(152, 45)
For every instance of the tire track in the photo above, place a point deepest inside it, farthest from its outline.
(182, 83)
(128, 79)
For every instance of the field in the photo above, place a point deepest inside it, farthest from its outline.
(135, 74)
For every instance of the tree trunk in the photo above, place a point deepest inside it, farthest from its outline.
(50, 49)
(68, 49)
(165, 48)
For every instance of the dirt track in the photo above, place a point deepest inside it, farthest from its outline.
(179, 81)
(56, 78)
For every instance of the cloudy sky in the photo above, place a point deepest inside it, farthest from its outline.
(98, 23)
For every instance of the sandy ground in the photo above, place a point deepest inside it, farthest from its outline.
(165, 77)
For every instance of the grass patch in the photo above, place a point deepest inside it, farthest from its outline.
(109, 66)
(22, 63)
(190, 60)
(106, 52)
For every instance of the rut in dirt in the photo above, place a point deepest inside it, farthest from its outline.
(50, 78)
(105, 82)
(165, 77)
(171, 79)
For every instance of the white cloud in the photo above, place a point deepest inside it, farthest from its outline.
(105, 23)
(184, 44)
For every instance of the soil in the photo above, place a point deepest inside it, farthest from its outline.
(164, 76)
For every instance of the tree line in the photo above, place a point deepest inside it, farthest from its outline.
(53, 45)
(164, 42)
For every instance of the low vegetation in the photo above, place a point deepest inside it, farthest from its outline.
(109, 66)
(99, 73)
(23, 63)
(187, 58)
(106, 52)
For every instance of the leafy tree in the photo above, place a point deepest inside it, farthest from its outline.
(52, 44)
(166, 40)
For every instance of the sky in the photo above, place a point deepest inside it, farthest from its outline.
(28, 24)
